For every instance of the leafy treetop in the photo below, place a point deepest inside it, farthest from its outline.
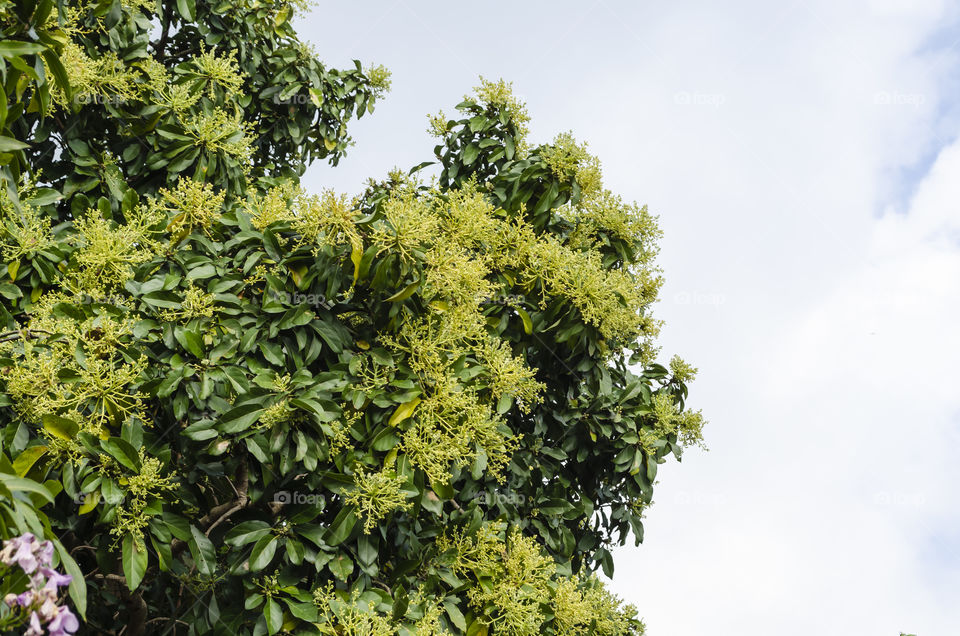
(429, 409)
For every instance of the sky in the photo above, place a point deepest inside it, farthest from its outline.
(803, 159)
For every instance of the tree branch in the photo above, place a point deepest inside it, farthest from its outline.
(136, 606)
(23, 333)
(162, 44)
(222, 512)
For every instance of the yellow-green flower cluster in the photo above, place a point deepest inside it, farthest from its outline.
(451, 427)
(379, 78)
(569, 159)
(49, 376)
(499, 96)
(99, 395)
(194, 205)
(159, 89)
(603, 211)
(682, 372)
(517, 590)
(688, 424)
(612, 300)
(377, 495)
(147, 484)
(583, 605)
(510, 375)
(410, 225)
(24, 231)
(356, 614)
(453, 275)
(108, 251)
(220, 131)
(326, 219)
(272, 206)
(219, 71)
(104, 78)
(196, 303)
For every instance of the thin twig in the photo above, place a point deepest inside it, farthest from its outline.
(24, 333)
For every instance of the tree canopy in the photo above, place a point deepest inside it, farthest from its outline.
(238, 407)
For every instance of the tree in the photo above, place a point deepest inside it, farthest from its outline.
(429, 409)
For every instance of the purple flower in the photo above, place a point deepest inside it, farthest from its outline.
(25, 558)
(14, 547)
(40, 598)
(35, 628)
(45, 554)
(64, 623)
(25, 599)
(55, 579)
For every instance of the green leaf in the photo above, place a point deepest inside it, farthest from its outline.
(247, 532)
(134, 561)
(61, 427)
(404, 293)
(78, 586)
(477, 628)
(263, 552)
(403, 411)
(606, 561)
(239, 418)
(21, 484)
(9, 144)
(190, 340)
(14, 48)
(25, 460)
(367, 549)
(187, 9)
(122, 451)
(203, 552)
(274, 615)
(303, 611)
(341, 566)
(342, 526)
(456, 616)
(470, 154)
(44, 196)
(527, 323)
(59, 73)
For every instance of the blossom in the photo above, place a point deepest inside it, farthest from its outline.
(35, 628)
(45, 553)
(12, 546)
(40, 599)
(24, 555)
(64, 623)
(55, 579)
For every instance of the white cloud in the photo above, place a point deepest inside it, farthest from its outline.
(835, 509)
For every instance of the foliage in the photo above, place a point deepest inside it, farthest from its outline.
(431, 409)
